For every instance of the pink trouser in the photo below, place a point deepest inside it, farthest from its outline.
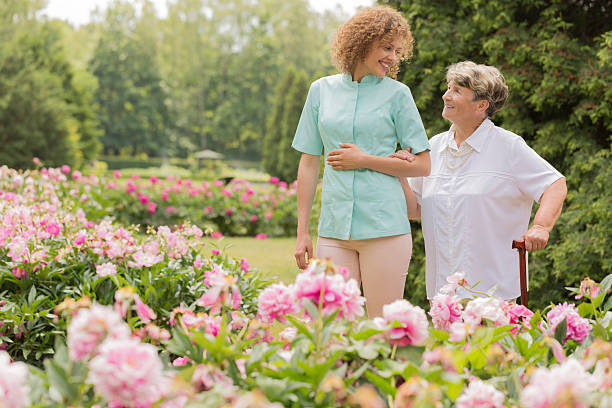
(379, 264)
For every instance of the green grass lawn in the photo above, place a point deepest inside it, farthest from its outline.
(272, 256)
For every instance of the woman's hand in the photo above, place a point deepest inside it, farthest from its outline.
(350, 157)
(404, 155)
(535, 238)
(303, 250)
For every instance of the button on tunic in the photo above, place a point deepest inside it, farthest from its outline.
(374, 115)
(471, 211)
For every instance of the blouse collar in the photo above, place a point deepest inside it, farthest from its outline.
(366, 80)
(476, 139)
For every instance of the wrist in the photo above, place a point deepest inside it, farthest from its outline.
(541, 227)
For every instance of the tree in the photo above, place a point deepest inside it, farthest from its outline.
(130, 94)
(273, 138)
(289, 158)
(555, 56)
(44, 109)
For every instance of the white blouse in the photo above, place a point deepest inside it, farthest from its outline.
(476, 200)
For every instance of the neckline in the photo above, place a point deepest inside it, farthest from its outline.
(365, 81)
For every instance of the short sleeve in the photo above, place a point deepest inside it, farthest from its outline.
(408, 124)
(416, 184)
(307, 138)
(533, 175)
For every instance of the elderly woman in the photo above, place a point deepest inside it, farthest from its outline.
(356, 119)
(483, 182)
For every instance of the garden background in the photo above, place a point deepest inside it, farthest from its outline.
(115, 111)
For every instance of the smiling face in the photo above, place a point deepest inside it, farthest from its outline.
(460, 106)
(383, 55)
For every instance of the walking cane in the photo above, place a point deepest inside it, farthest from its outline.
(520, 246)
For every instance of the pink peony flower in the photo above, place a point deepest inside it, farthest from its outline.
(144, 312)
(261, 235)
(216, 234)
(146, 259)
(454, 281)
(14, 391)
(106, 269)
(268, 215)
(224, 291)
(480, 395)
(518, 314)
(65, 169)
(588, 287)
(19, 272)
(274, 180)
(181, 361)
(445, 309)
(36, 161)
(80, 238)
(116, 174)
(90, 327)
(76, 175)
(253, 218)
(565, 385)
(490, 308)
(577, 326)
(275, 302)
(244, 265)
(338, 294)
(207, 376)
(215, 251)
(128, 373)
(413, 324)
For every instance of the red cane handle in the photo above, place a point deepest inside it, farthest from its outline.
(520, 246)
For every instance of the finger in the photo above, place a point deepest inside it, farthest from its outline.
(333, 153)
(347, 145)
(408, 149)
(299, 258)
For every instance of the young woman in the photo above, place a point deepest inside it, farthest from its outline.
(356, 119)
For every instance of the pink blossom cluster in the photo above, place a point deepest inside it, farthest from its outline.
(330, 292)
(128, 373)
(480, 395)
(319, 284)
(445, 310)
(90, 327)
(404, 323)
(578, 327)
(489, 309)
(565, 385)
(275, 302)
(223, 291)
(14, 391)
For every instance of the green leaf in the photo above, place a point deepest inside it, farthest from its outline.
(32, 295)
(440, 335)
(382, 383)
(367, 333)
(561, 331)
(300, 327)
(59, 379)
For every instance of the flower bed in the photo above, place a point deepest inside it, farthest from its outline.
(104, 316)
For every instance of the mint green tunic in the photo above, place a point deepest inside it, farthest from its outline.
(374, 114)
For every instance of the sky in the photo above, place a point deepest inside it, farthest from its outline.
(77, 11)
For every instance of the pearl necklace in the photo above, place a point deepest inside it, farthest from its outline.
(460, 153)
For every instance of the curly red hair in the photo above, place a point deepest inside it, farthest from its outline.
(354, 38)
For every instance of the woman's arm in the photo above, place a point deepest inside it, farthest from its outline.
(414, 209)
(351, 157)
(547, 215)
(308, 175)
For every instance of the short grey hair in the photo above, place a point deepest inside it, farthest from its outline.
(484, 80)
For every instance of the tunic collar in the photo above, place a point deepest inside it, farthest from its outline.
(365, 81)
(476, 139)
